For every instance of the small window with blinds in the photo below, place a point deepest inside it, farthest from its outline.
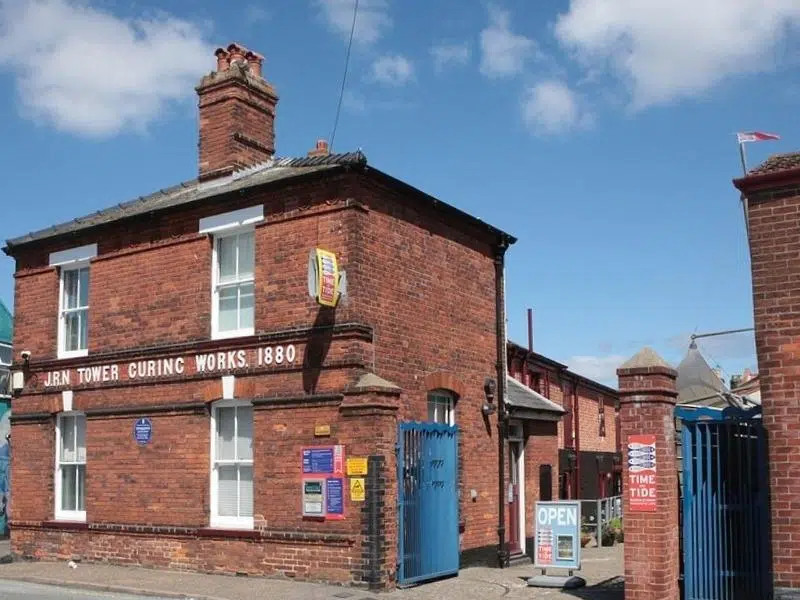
(232, 465)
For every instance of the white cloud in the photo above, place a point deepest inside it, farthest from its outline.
(371, 22)
(449, 54)
(551, 107)
(393, 70)
(503, 52)
(87, 72)
(665, 51)
(602, 369)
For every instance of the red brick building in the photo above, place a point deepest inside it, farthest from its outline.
(186, 369)
(772, 192)
(587, 437)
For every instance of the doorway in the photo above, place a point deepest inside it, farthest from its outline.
(516, 489)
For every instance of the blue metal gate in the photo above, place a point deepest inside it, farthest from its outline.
(427, 459)
(726, 545)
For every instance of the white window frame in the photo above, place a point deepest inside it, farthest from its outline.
(60, 514)
(216, 520)
(62, 321)
(215, 286)
(445, 401)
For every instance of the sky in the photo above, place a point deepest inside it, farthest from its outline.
(601, 133)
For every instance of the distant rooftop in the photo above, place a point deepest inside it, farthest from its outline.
(776, 163)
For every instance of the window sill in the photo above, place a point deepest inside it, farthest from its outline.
(231, 524)
(72, 354)
(224, 335)
(68, 522)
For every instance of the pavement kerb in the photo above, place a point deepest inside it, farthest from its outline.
(116, 589)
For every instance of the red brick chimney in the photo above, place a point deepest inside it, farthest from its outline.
(237, 114)
(321, 149)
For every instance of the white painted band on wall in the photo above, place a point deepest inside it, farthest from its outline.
(234, 218)
(73, 255)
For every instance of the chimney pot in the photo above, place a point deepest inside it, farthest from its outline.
(222, 59)
(237, 114)
(321, 149)
(236, 53)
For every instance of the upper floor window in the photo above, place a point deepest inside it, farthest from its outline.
(232, 464)
(73, 299)
(442, 407)
(601, 406)
(234, 289)
(71, 467)
(74, 311)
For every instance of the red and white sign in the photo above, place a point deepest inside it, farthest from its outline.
(642, 473)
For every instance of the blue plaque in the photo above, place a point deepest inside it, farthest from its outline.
(334, 496)
(143, 431)
(318, 460)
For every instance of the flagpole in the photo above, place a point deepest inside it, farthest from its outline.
(743, 156)
(745, 207)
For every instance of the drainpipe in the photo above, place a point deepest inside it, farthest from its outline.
(500, 315)
(577, 412)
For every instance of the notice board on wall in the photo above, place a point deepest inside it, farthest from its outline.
(322, 494)
(642, 469)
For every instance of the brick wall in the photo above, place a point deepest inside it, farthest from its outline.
(419, 323)
(775, 265)
(428, 290)
(152, 285)
(589, 421)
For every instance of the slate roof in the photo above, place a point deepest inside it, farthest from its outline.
(522, 397)
(777, 163)
(697, 383)
(194, 190)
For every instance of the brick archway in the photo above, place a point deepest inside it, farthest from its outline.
(442, 380)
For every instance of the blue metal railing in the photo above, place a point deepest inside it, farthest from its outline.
(726, 547)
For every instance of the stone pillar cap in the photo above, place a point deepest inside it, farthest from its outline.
(646, 358)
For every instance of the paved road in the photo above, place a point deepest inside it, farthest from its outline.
(18, 590)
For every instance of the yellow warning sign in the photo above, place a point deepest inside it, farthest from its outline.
(357, 489)
(356, 466)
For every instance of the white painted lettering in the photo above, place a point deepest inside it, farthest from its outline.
(241, 359)
(221, 360)
(151, 368)
(81, 376)
(97, 373)
(106, 372)
(290, 353)
(231, 359)
(132, 371)
(200, 362)
(169, 366)
(179, 365)
(114, 372)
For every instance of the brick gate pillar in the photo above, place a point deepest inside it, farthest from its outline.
(773, 217)
(647, 402)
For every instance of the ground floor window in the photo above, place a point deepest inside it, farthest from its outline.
(232, 464)
(441, 407)
(70, 477)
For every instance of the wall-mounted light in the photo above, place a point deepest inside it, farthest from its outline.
(489, 388)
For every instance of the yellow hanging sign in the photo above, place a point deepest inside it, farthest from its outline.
(327, 278)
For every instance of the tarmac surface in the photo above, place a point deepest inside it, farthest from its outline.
(601, 567)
